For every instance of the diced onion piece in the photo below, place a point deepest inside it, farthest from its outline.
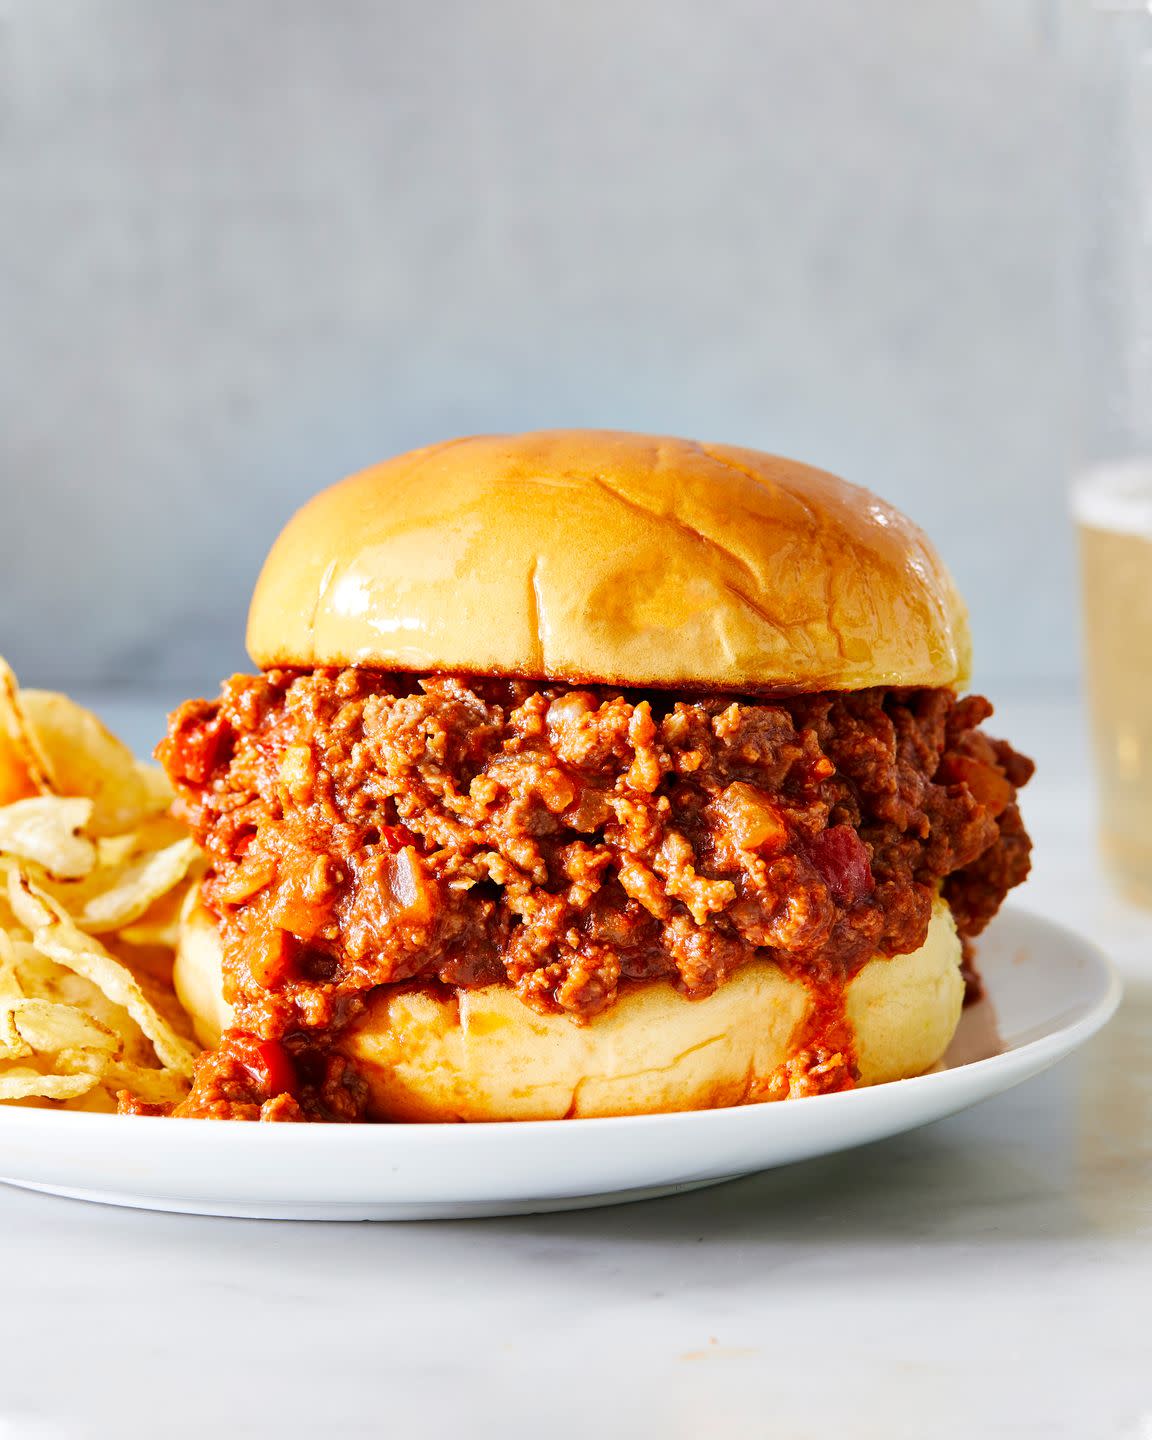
(755, 822)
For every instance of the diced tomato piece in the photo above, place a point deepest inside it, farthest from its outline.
(198, 744)
(267, 1061)
(842, 859)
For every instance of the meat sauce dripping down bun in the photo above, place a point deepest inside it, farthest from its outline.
(484, 1055)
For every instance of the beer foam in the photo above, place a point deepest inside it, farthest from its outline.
(1116, 496)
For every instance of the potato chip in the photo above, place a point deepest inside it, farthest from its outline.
(46, 1026)
(47, 829)
(137, 886)
(9, 982)
(84, 758)
(153, 834)
(55, 936)
(148, 1084)
(22, 1083)
(13, 1045)
(23, 766)
(43, 979)
(159, 926)
(87, 847)
(156, 786)
(114, 895)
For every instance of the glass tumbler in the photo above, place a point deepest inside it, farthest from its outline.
(1113, 509)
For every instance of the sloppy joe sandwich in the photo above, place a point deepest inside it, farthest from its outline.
(587, 774)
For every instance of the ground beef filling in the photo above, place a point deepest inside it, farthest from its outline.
(369, 829)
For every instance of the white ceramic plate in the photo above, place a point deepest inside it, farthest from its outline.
(1048, 990)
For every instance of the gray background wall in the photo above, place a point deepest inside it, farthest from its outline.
(249, 245)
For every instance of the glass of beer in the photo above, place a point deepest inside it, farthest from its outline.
(1113, 509)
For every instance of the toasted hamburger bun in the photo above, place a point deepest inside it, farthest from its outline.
(596, 556)
(485, 1055)
(618, 559)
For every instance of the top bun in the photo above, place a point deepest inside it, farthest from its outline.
(600, 556)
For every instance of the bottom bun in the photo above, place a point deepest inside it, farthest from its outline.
(485, 1055)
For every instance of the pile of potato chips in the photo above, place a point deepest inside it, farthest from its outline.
(93, 874)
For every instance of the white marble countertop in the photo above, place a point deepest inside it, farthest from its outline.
(988, 1276)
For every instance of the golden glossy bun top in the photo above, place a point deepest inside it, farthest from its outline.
(589, 555)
